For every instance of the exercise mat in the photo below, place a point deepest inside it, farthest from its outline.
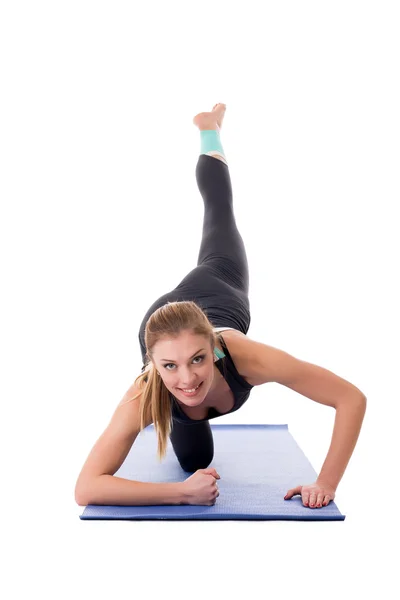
(257, 464)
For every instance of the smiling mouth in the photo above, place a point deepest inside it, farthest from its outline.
(191, 393)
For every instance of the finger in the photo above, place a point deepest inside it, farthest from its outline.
(320, 498)
(327, 499)
(293, 492)
(313, 496)
(305, 498)
(211, 471)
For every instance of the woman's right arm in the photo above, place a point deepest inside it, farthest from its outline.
(97, 484)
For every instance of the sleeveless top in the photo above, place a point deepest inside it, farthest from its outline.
(240, 387)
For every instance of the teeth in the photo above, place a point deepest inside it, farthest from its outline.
(193, 390)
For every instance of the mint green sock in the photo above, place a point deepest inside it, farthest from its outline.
(211, 143)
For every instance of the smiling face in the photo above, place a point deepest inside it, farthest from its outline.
(184, 363)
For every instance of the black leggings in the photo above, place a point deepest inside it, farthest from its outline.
(219, 285)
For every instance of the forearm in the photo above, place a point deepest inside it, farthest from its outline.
(348, 421)
(110, 490)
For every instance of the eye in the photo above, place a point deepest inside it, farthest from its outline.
(196, 357)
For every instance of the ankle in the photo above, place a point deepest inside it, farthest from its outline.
(209, 127)
(210, 142)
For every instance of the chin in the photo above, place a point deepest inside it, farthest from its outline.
(191, 402)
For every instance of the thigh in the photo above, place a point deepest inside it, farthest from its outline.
(193, 444)
(222, 247)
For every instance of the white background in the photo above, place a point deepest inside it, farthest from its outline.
(101, 215)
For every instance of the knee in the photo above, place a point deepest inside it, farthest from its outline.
(192, 464)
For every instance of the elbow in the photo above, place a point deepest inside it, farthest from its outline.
(86, 491)
(360, 400)
(363, 400)
(80, 500)
(81, 496)
(356, 400)
(359, 396)
(363, 406)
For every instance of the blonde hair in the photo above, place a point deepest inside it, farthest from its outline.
(167, 322)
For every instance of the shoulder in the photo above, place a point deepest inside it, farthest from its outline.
(241, 348)
(260, 363)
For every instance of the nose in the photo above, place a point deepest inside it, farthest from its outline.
(188, 384)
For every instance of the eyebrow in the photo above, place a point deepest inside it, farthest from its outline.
(169, 360)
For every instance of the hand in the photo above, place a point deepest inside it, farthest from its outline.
(314, 495)
(201, 487)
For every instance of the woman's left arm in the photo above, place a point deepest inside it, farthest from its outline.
(261, 364)
(348, 420)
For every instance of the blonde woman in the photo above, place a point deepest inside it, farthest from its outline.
(199, 364)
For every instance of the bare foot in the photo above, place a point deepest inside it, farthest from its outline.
(211, 120)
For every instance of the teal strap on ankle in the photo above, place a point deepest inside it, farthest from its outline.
(210, 141)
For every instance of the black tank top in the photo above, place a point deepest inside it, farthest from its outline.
(240, 387)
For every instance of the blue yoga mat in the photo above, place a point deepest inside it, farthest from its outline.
(257, 464)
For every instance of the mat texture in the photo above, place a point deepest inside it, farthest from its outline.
(258, 464)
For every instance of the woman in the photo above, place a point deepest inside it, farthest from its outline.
(192, 373)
